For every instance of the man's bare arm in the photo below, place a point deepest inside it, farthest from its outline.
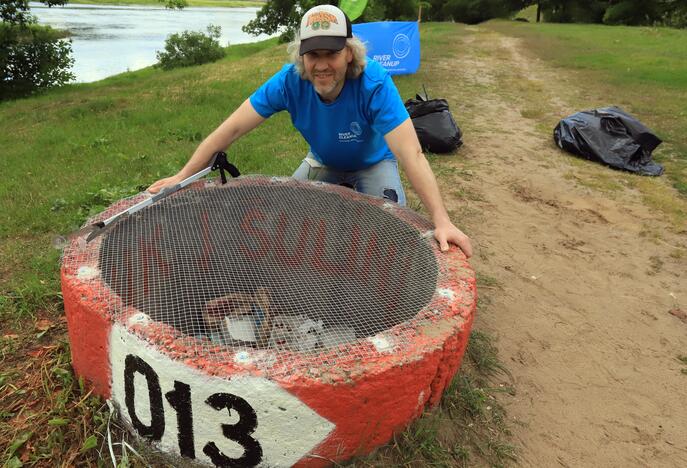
(404, 144)
(241, 121)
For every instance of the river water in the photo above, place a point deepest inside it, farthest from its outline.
(107, 40)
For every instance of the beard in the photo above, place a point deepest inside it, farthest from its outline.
(324, 90)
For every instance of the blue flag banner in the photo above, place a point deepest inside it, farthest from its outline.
(394, 44)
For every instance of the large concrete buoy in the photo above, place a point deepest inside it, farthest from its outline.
(267, 322)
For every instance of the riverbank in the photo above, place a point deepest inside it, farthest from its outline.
(107, 39)
(191, 3)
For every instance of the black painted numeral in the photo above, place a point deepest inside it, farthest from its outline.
(239, 432)
(133, 364)
(180, 399)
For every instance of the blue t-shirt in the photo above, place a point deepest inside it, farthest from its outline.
(347, 134)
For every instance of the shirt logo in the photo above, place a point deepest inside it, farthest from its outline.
(353, 135)
(320, 20)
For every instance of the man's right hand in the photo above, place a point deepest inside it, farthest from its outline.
(166, 182)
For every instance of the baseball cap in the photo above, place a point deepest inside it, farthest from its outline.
(324, 27)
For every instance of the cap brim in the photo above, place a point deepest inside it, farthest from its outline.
(322, 42)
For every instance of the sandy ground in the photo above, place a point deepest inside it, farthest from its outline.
(582, 280)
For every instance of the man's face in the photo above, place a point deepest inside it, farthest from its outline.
(326, 70)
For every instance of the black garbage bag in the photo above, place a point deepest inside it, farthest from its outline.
(610, 136)
(434, 124)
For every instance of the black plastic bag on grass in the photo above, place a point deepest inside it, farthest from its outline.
(610, 136)
(434, 124)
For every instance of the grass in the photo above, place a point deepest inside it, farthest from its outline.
(683, 360)
(46, 414)
(134, 135)
(641, 69)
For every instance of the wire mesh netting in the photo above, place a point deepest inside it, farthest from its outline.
(265, 264)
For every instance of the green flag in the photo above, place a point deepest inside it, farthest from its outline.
(353, 8)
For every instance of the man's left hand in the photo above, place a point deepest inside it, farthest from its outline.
(449, 233)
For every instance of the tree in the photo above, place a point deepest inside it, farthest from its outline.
(280, 16)
(32, 57)
(476, 11)
(573, 11)
(284, 16)
(17, 11)
(538, 11)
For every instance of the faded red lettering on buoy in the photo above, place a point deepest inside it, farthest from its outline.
(319, 260)
(296, 257)
(204, 259)
(369, 255)
(259, 235)
(149, 251)
(349, 266)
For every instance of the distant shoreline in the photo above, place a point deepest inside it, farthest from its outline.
(191, 3)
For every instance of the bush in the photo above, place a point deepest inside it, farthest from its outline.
(476, 11)
(191, 48)
(404, 10)
(675, 13)
(632, 12)
(575, 11)
(676, 19)
(32, 57)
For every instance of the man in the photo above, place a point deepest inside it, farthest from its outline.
(351, 114)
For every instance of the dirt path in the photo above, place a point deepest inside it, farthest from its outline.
(579, 282)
